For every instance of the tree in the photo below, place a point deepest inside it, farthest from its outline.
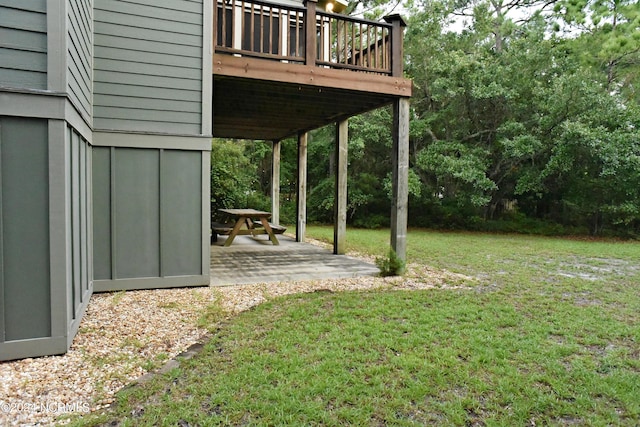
(522, 116)
(233, 175)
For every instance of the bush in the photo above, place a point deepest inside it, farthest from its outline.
(390, 265)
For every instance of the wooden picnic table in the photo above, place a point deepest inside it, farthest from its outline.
(248, 222)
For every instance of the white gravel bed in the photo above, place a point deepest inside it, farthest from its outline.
(125, 334)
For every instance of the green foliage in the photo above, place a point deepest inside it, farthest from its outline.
(233, 175)
(505, 112)
(390, 265)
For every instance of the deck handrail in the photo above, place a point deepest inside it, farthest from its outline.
(305, 35)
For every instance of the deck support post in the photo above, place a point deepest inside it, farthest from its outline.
(301, 214)
(340, 199)
(275, 183)
(400, 177)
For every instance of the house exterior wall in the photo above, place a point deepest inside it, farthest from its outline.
(45, 171)
(45, 235)
(149, 66)
(152, 139)
(23, 44)
(148, 210)
(80, 55)
(151, 115)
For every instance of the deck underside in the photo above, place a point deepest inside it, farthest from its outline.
(258, 99)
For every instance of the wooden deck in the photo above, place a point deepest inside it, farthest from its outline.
(251, 260)
(282, 70)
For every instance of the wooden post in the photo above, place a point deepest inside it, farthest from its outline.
(397, 44)
(301, 224)
(214, 33)
(275, 183)
(340, 199)
(310, 33)
(400, 177)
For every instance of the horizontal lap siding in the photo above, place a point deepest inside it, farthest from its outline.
(80, 54)
(148, 65)
(23, 44)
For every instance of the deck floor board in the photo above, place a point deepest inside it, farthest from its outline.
(255, 260)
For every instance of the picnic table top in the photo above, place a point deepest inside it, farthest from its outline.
(246, 212)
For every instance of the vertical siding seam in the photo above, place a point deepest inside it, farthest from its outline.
(83, 219)
(89, 178)
(73, 207)
(205, 201)
(112, 202)
(161, 196)
(2, 327)
(59, 220)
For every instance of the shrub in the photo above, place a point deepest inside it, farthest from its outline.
(391, 265)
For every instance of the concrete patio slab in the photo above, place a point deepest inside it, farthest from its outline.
(255, 260)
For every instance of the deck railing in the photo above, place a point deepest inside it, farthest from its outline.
(307, 36)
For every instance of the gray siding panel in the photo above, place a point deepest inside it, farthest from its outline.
(137, 216)
(147, 215)
(101, 213)
(136, 125)
(123, 55)
(31, 5)
(23, 60)
(153, 104)
(79, 191)
(169, 117)
(192, 75)
(141, 46)
(20, 17)
(80, 54)
(23, 40)
(146, 51)
(152, 11)
(181, 180)
(108, 89)
(25, 228)
(23, 44)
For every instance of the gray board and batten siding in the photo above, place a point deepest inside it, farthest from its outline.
(152, 110)
(24, 164)
(23, 44)
(148, 209)
(45, 244)
(149, 66)
(45, 170)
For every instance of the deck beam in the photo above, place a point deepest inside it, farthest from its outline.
(261, 69)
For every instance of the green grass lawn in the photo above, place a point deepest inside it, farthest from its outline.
(548, 333)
